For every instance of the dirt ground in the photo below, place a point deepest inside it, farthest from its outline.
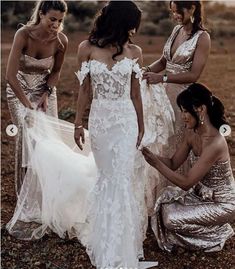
(55, 253)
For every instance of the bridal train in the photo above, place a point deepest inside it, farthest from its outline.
(66, 191)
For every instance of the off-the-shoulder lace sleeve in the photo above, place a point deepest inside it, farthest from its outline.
(137, 70)
(81, 74)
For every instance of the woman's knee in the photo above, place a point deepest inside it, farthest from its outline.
(169, 218)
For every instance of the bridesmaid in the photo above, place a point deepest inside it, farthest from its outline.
(33, 69)
(184, 57)
(197, 214)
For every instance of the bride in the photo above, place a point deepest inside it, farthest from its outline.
(109, 65)
(92, 193)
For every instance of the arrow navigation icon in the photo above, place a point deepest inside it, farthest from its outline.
(225, 130)
(11, 130)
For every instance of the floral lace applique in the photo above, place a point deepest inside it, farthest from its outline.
(81, 74)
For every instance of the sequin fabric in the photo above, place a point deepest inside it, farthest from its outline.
(32, 75)
(181, 61)
(200, 217)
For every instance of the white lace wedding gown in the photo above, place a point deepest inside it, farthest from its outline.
(114, 239)
(92, 198)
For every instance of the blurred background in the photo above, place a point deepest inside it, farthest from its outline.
(219, 75)
(220, 16)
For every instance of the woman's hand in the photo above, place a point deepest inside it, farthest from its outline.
(29, 119)
(79, 137)
(43, 102)
(29, 105)
(152, 78)
(149, 157)
(139, 138)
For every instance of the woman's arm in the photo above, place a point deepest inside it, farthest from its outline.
(158, 65)
(84, 51)
(54, 76)
(13, 67)
(209, 156)
(180, 155)
(136, 96)
(199, 61)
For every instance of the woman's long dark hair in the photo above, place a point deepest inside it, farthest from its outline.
(197, 95)
(113, 23)
(198, 18)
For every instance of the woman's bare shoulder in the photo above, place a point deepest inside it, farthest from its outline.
(204, 38)
(84, 50)
(84, 45)
(136, 51)
(22, 33)
(63, 38)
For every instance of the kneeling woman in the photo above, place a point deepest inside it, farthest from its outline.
(197, 214)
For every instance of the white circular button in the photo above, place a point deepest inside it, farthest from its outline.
(225, 130)
(11, 130)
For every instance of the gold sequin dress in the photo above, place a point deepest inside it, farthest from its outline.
(181, 61)
(32, 75)
(199, 218)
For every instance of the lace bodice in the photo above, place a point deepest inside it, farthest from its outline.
(110, 84)
(182, 59)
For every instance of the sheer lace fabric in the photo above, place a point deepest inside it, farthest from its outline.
(97, 196)
(59, 178)
(114, 239)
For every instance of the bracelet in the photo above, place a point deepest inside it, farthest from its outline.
(164, 78)
(148, 69)
(78, 127)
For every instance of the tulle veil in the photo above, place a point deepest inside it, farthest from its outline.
(59, 178)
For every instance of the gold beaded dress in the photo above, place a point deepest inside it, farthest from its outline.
(199, 218)
(32, 75)
(181, 61)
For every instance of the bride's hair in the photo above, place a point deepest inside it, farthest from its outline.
(113, 23)
(197, 95)
(198, 18)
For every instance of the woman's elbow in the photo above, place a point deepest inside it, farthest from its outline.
(9, 77)
(186, 185)
(55, 72)
(194, 77)
(84, 92)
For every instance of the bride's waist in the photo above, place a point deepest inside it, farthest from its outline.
(118, 100)
(113, 102)
(112, 105)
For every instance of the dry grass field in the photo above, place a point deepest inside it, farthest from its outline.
(56, 253)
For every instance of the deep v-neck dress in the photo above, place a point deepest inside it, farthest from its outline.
(32, 76)
(180, 61)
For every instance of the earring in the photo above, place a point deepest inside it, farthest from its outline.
(192, 19)
(201, 118)
(131, 32)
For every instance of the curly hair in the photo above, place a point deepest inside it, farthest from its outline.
(112, 24)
